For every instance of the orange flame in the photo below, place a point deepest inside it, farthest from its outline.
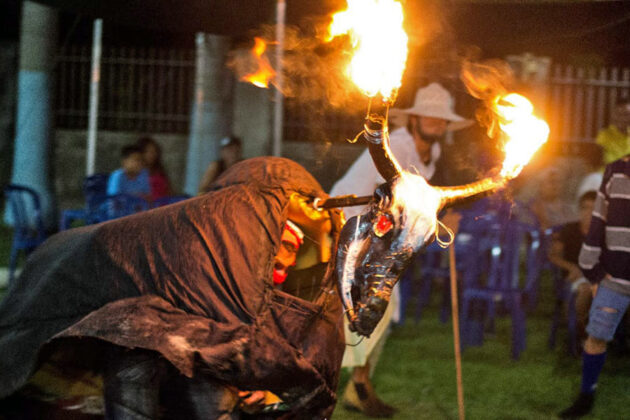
(525, 132)
(264, 72)
(379, 41)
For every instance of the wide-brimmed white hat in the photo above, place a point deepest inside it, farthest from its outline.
(431, 101)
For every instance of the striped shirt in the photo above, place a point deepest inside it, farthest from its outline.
(606, 249)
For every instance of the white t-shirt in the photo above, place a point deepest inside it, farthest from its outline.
(362, 178)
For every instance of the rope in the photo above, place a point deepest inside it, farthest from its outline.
(456, 341)
(449, 232)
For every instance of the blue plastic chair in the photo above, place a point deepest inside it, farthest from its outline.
(116, 206)
(470, 242)
(171, 199)
(28, 228)
(503, 284)
(94, 191)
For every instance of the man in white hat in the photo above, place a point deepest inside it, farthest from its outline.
(416, 146)
(415, 143)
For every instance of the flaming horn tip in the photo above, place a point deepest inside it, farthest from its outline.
(450, 196)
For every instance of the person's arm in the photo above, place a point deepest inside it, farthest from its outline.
(208, 177)
(595, 240)
(113, 183)
(556, 257)
(361, 179)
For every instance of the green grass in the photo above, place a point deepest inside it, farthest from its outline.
(6, 235)
(416, 374)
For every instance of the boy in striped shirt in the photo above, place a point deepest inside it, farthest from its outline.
(605, 261)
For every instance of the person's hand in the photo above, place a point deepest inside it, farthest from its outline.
(251, 401)
(575, 273)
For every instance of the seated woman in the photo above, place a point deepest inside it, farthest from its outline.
(152, 157)
(230, 154)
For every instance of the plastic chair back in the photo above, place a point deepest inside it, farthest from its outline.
(25, 208)
(28, 228)
(94, 189)
(171, 199)
(115, 206)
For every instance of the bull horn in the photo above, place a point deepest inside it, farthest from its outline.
(376, 133)
(452, 195)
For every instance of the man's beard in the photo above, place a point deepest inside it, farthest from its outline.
(429, 138)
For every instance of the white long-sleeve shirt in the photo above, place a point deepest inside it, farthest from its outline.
(362, 178)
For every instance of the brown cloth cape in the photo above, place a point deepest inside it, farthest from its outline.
(191, 281)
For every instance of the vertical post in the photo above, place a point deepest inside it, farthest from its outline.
(601, 98)
(578, 110)
(590, 133)
(95, 80)
(212, 108)
(34, 126)
(568, 106)
(278, 105)
(456, 338)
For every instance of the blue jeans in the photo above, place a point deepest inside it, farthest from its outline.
(603, 324)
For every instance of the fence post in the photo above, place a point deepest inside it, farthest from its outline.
(601, 99)
(212, 109)
(34, 125)
(589, 130)
(578, 109)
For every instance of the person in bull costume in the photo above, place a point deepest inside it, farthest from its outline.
(189, 289)
(181, 309)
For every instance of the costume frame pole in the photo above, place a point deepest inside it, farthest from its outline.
(94, 90)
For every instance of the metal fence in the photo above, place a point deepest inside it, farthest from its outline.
(580, 101)
(148, 90)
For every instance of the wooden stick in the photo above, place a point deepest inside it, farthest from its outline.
(455, 314)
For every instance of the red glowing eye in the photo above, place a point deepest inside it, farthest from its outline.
(382, 225)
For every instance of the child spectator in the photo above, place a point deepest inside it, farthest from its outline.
(132, 178)
(564, 254)
(158, 179)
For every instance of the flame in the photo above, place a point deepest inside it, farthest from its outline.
(379, 42)
(525, 132)
(264, 72)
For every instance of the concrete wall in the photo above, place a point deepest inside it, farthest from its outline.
(326, 162)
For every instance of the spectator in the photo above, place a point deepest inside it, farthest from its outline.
(158, 179)
(132, 177)
(595, 171)
(604, 260)
(615, 139)
(549, 206)
(230, 154)
(416, 145)
(564, 253)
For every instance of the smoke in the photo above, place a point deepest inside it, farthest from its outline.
(486, 80)
(312, 69)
